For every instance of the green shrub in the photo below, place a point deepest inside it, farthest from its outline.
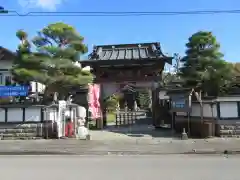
(5, 100)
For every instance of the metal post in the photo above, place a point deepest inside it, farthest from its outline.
(188, 124)
(74, 121)
(172, 124)
(46, 130)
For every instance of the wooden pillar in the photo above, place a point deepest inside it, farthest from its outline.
(104, 109)
(104, 118)
(155, 106)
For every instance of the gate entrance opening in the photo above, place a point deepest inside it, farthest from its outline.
(132, 65)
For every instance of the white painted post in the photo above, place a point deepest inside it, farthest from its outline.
(60, 123)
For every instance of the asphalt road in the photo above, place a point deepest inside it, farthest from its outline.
(167, 167)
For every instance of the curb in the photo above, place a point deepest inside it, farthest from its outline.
(196, 152)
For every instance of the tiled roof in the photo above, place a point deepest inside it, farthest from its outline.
(6, 54)
(127, 52)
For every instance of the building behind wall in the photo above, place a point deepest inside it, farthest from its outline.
(6, 61)
(213, 116)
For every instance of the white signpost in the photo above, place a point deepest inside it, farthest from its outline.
(61, 122)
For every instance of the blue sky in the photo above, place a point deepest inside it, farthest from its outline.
(171, 31)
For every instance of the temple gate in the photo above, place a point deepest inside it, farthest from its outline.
(118, 68)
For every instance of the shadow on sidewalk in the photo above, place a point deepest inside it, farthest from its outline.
(143, 131)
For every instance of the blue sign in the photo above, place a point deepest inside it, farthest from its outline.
(6, 91)
(179, 103)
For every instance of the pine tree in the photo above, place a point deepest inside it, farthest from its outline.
(203, 64)
(51, 58)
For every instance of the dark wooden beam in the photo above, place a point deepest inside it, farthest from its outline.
(124, 62)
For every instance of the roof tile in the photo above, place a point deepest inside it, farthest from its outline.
(127, 52)
(6, 54)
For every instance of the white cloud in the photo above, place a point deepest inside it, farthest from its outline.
(50, 5)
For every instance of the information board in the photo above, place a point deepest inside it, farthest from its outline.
(179, 103)
(6, 91)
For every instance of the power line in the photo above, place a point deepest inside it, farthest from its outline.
(109, 14)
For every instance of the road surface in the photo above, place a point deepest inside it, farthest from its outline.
(167, 167)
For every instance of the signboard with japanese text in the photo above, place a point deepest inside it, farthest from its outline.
(180, 103)
(6, 91)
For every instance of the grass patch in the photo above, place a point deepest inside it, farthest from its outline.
(111, 117)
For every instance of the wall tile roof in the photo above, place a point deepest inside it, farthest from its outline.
(6, 54)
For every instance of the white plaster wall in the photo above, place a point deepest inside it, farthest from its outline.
(209, 110)
(6, 64)
(228, 110)
(15, 114)
(214, 110)
(33, 114)
(196, 110)
(2, 115)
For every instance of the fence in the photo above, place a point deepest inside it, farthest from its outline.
(37, 121)
(125, 118)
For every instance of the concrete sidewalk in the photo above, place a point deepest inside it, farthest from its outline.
(133, 140)
(97, 147)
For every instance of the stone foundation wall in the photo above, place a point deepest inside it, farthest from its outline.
(28, 130)
(228, 128)
(209, 127)
(196, 127)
